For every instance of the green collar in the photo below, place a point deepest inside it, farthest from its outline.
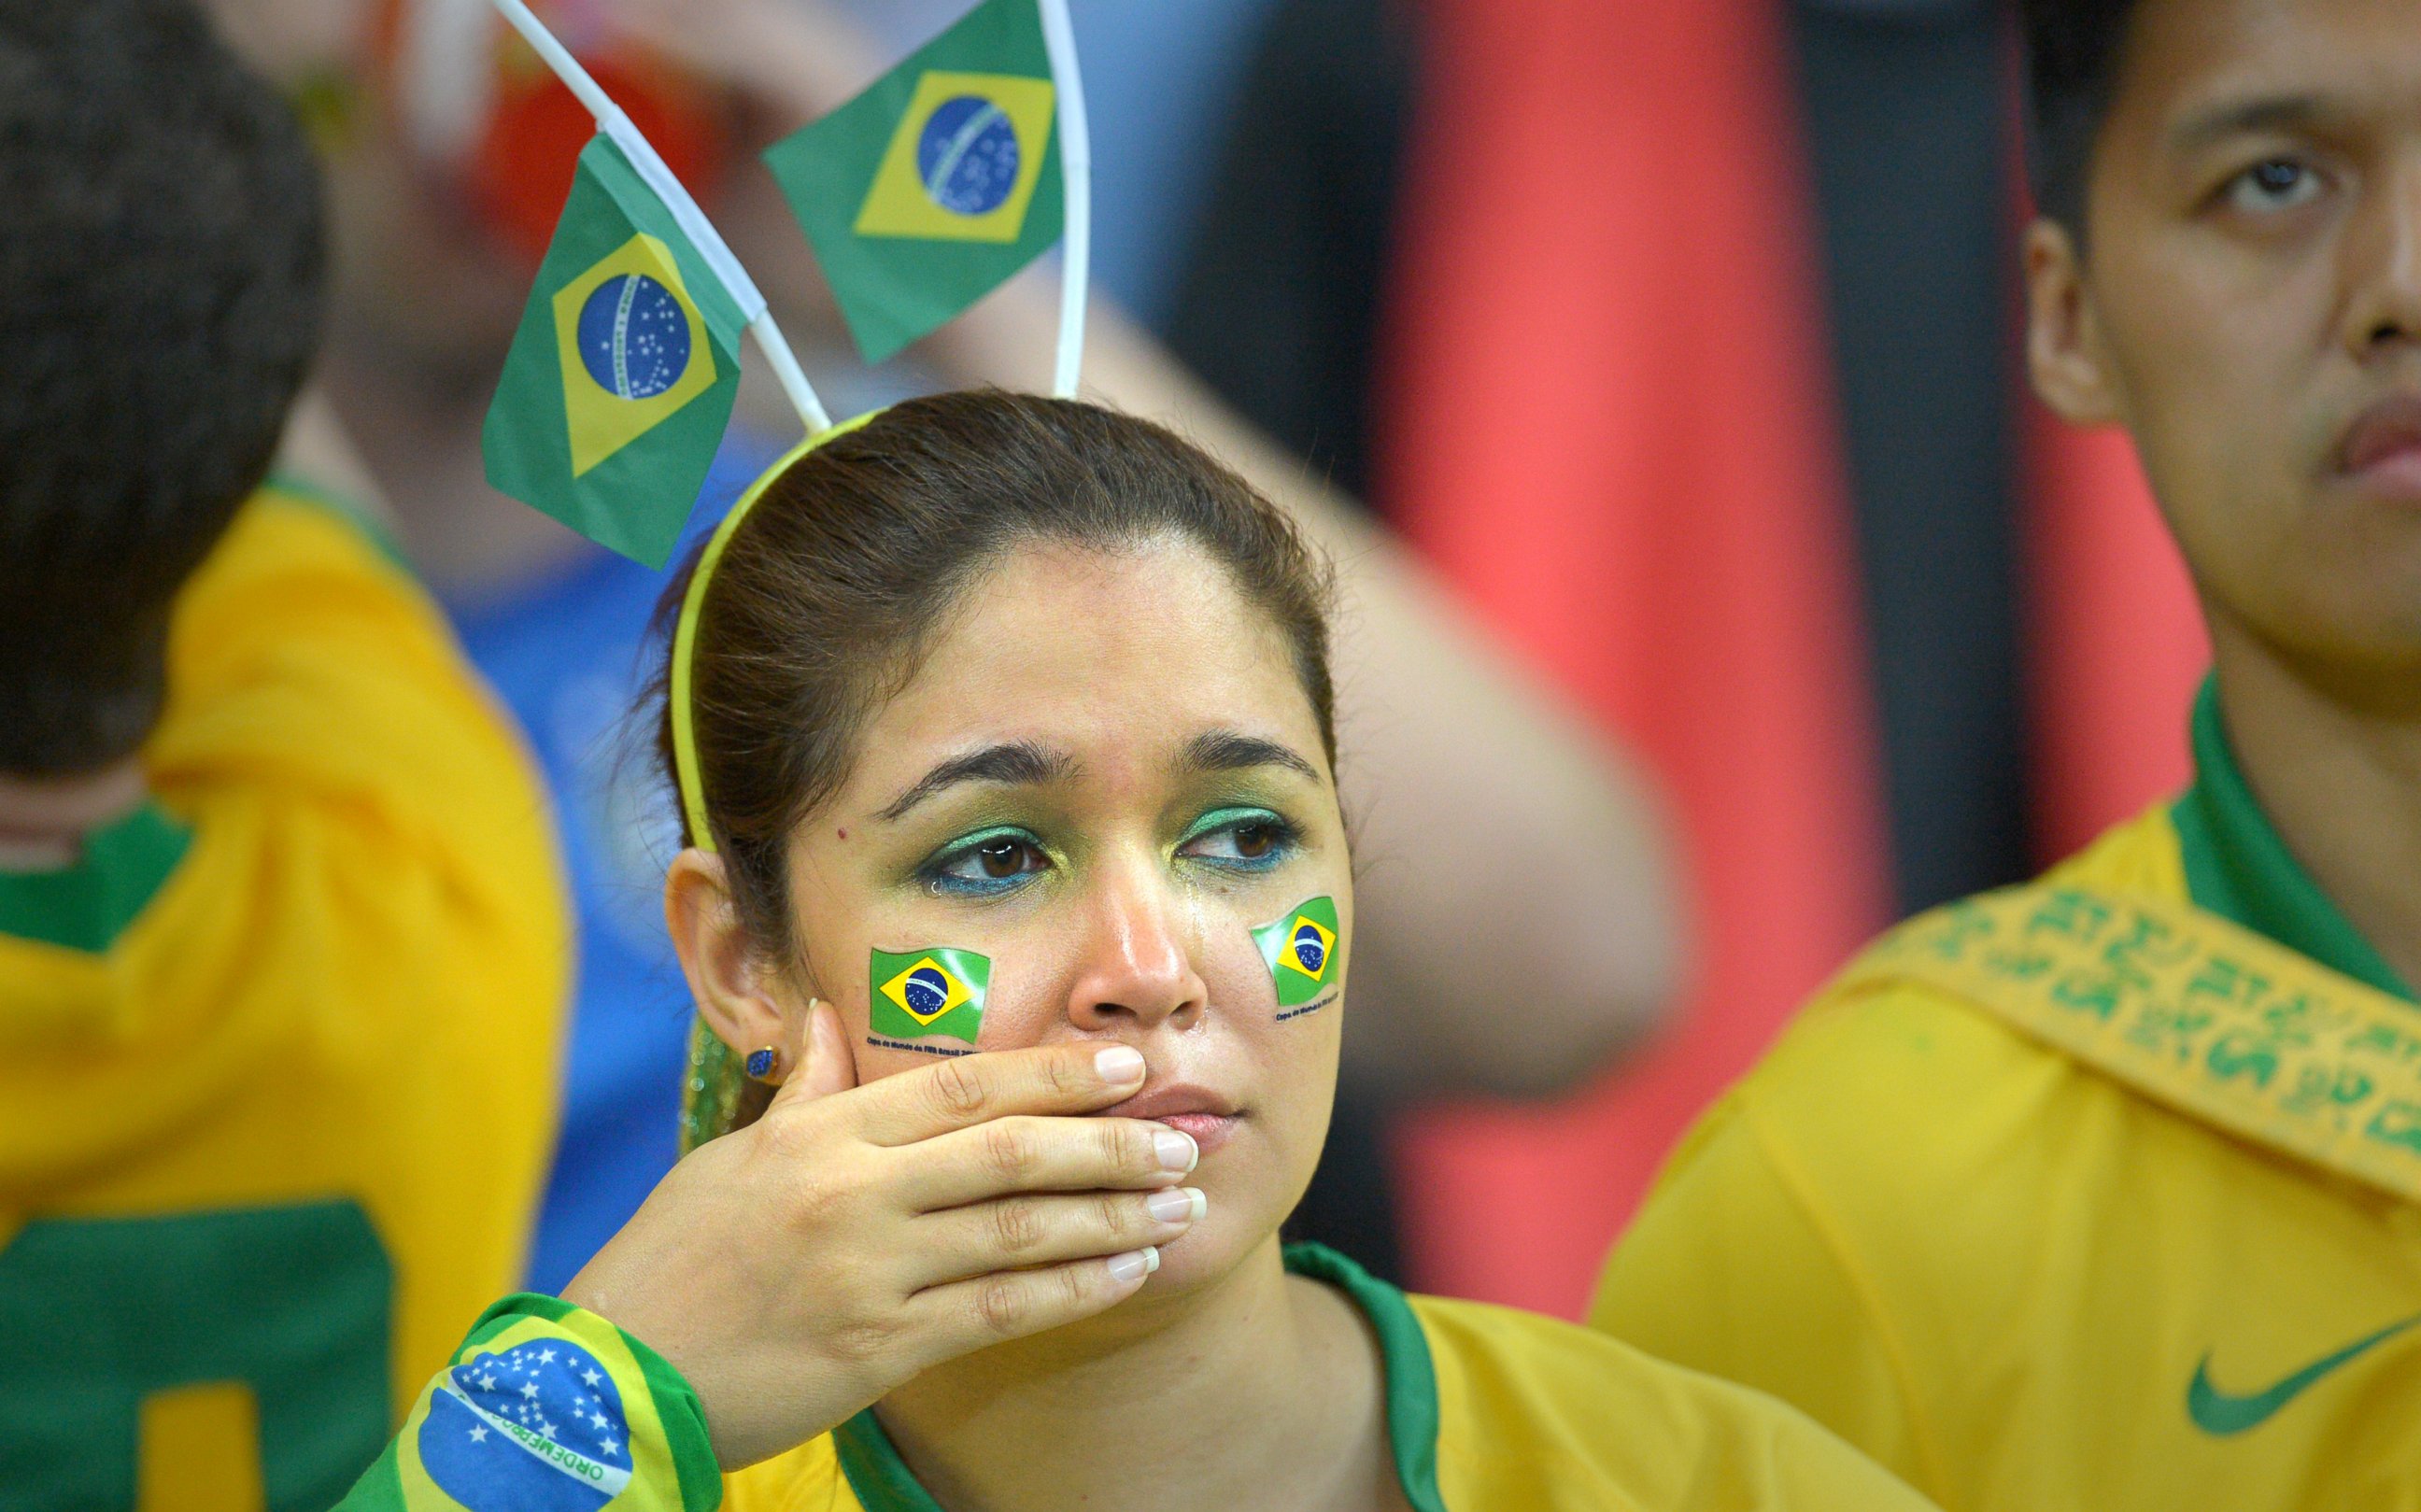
(366, 523)
(87, 906)
(2239, 868)
(883, 1483)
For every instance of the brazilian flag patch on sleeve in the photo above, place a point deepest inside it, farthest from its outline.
(1300, 950)
(549, 1409)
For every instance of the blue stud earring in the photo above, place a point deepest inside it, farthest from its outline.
(760, 1063)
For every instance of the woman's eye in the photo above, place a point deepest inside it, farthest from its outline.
(1001, 858)
(2267, 188)
(990, 863)
(1245, 841)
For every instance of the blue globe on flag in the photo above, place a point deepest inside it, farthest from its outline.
(633, 336)
(967, 155)
(927, 990)
(1311, 950)
(537, 1428)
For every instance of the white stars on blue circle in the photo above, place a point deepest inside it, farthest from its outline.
(1311, 950)
(537, 1428)
(633, 336)
(967, 155)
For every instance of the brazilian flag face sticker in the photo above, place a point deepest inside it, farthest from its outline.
(962, 162)
(1300, 949)
(938, 990)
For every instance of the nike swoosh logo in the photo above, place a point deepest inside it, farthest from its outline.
(2220, 1413)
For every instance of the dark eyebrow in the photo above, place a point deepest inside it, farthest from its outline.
(1018, 762)
(2270, 113)
(1229, 751)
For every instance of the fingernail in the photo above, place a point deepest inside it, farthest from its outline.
(1177, 1151)
(1134, 1264)
(1119, 1064)
(1183, 1204)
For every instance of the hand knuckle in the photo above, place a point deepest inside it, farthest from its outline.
(817, 1202)
(788, 1139)
(1010, 1150)
(959, 1089)
(1124, 1147)
(1120, 1216)
(1075, 1283)
(1000, 1305)
(1016, 1227)
(863, 1340)
(1059, 1074)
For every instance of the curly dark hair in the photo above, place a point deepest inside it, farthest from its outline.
(161, 264)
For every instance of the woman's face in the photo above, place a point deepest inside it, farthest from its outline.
(1103, 778)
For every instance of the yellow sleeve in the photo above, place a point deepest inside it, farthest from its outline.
(1730, 1268)
(1539, 1415)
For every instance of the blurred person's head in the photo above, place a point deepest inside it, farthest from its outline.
(1042, 681)
(2228, 263)
(450, 150)
(160, 273)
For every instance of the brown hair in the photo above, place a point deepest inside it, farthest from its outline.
(827, 593)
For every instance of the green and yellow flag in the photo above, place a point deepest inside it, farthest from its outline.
(935, 991)
(545, 1405)
(622, 374)
(942, 180)
(1301, 952)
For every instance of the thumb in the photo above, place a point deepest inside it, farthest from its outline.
(826, 1064)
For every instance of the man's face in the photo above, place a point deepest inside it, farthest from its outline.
(2248, 305)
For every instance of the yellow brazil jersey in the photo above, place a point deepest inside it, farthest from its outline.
(2104, 1191)
(279, 1054)
(1488, 1410)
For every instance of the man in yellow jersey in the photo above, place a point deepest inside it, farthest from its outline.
(281, 939)
(2106, 1192)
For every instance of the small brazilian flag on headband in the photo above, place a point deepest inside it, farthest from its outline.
(935, 992)
(622, 374)
(1301, 952)
(942, 180)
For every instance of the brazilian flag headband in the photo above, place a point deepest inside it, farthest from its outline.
(712, 1092)
(679, 698)
(930, 189)
(935, 185)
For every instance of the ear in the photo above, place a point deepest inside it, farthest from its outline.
(742, 996)
(2064, 349)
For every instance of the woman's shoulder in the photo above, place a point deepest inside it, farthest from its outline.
(1536, 1412)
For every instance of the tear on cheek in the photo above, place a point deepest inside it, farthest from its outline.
(1302, 952)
